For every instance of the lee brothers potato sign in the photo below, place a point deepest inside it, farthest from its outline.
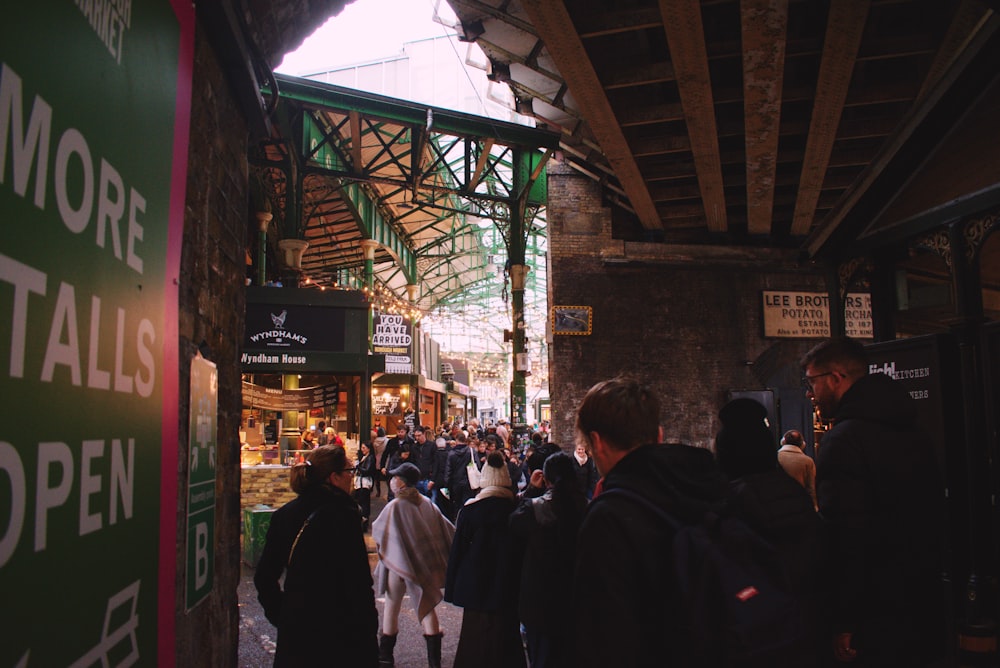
(94, 116)
(806, 315)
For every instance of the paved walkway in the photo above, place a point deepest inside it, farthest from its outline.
(257, 635)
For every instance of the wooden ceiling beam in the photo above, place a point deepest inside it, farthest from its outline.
(844, 29)
(550, 18)
(686, 40)
(764, 27)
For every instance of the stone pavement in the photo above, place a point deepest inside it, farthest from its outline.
(257, 636)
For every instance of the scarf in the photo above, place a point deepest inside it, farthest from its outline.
(491, 492)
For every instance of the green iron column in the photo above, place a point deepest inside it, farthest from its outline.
(368, 247)
(516, 248)
(263, 220)
(290, 434)
(291, 274)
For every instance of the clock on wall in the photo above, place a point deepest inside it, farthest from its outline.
(572, 320)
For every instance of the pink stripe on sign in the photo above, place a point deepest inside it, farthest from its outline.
(166, 625)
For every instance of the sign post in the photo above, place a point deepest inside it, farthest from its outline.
(202, 446)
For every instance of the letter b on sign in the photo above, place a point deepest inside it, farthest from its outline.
(200, 557)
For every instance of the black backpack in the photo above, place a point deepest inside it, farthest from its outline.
(740, 609)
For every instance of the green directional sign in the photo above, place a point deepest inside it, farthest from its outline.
(94, 121)
(203, 451)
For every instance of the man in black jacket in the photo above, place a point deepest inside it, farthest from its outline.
(423, 457)
(392, 447)
(456, 478)
(625, 597)
(439, 481)
(882, 497)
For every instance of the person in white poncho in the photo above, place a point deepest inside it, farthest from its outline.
(414, 541)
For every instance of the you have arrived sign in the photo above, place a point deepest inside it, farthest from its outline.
(393, 338)
(806, 315)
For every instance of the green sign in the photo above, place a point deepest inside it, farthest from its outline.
(94, 115)
(203, 451)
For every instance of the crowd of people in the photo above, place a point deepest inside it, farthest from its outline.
(559, 554)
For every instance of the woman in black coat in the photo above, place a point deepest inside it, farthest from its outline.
(548, 525)
(364, 480)
(483, 574)
(326, 613)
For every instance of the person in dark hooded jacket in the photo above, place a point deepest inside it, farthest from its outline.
(548, 525)
(456, 479)
(882, 498)
(778, 509)
(625, 597)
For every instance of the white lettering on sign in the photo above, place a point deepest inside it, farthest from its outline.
(201, 554)
(58, 468)
(110, 19)
(73, 163)
(63, 348)
(259, 358)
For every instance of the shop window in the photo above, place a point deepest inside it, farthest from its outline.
(989, 268)
(924, 299)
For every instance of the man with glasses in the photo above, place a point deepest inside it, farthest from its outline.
(882, 497)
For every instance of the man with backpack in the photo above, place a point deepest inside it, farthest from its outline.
(626, 599)
(663, 576)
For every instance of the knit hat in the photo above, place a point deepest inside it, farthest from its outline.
(408, 472)
(494, 472)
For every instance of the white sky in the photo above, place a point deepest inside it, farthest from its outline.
(366, 30)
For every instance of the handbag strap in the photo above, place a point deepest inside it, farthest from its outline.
(299, 534)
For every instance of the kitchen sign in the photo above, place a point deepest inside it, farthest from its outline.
(806, 315)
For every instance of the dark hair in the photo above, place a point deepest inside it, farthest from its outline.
(745, 444)
(558, 468)
(319, 464)
(419, 428)
(622, 411)
(536, 460)
(841, 351)
(792, 437)
(568, 499)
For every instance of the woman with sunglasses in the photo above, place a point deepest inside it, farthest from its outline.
(325, 614)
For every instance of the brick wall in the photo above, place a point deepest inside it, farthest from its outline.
(265, 485)
(684, 320)
(211, 296)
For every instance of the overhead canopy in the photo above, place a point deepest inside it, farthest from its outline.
(433, 187)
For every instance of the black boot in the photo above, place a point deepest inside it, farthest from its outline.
(434, 650)
(385, 646)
